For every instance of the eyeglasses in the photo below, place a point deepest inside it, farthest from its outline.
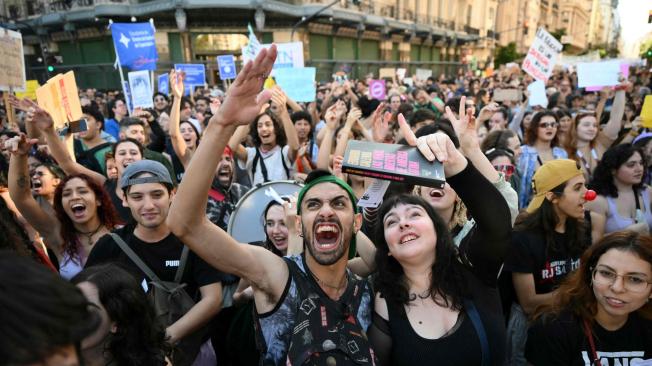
(548, 125)
(507, 169)
(633, 283)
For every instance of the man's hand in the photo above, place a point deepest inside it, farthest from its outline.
(215, 105)
(244, 100)
(487, 111)
(20, 145)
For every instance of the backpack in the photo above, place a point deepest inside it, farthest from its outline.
(170, 302)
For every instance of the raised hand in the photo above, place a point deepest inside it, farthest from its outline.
(176, 83)
(487, 111)
(354, 115)
(435, 146)
(244, 98)
(338, 160)
(215, 105)
(20, 145)
(279, 100)
(331, 117)
(460, 123)
(380, 124)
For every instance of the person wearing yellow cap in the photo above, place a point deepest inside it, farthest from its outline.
(546, 246)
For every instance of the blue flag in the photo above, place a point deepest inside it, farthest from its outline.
(135, 45)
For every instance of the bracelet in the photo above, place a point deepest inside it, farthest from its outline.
(620, 87)
(634, 133)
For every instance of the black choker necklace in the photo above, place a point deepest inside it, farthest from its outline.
(89, 235)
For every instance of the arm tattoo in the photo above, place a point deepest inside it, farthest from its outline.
(22, 181)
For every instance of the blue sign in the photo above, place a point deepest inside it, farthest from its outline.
(226, 64)
(195, 75)
(134, 45)
(297, 82)
(127, 92)
(164, 84)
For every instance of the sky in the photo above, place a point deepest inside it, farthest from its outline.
(634, 26)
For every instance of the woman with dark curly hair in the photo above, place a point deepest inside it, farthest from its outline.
(601, 314)
(435, 301)
(84, 212)
(623, 201)
(128, 333)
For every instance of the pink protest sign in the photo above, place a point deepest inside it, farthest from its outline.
(377, 89)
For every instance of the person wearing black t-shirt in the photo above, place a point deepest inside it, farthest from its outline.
(545, 247)
(148, 191)
(601, 314)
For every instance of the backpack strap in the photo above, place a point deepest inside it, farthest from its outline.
(472, 311)
(285, 166)
(263, 168)
(134, 257)
(182, 264)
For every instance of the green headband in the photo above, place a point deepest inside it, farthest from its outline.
(331, 179)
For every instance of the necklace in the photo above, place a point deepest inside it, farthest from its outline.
(339, 287)
(423, 295)
(89, 235)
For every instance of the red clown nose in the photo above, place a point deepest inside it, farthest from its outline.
(590, 195)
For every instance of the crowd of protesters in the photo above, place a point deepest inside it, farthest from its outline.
(537, 250)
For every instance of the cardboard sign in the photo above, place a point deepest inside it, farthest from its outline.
(386, 72)
(60, 97)
(542, 56)
(12, 62)
(646, 112)
(377, 89)
(395, 162)
(598, 74)
(423, 74)
(509, 95)
(30, 90)
(297, 83)
(141, 89)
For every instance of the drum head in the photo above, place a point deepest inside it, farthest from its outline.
(246, 221)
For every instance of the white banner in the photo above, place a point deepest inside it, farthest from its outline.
(289, 55)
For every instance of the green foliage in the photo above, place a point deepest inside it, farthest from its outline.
(506, 54)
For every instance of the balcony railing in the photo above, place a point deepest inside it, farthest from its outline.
(493, 34)
(471, 30)
(21, 10)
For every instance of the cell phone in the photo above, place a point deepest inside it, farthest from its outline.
(74, 127)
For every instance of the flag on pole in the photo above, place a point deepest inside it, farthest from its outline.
(253, 46)
(135, 45)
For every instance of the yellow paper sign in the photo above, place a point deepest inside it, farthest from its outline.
(269, 83)
(30, 90)
(60, 97)
(646, 112)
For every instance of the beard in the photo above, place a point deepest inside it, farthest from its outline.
(325, 258)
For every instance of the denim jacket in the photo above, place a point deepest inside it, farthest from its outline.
(526, 166)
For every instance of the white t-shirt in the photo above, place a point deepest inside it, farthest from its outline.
(273, 163)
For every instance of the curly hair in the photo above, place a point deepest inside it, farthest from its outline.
(603, 178)
(105, 212)
(281, 140)
(532, 131)
(447, 284)
(576, 292)
(139, 339)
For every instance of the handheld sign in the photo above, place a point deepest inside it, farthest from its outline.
(297, 83)
(646, 112)
(195, 75)
(226, 65)
(141, 89)
(542, 56)
(60, 98)
(598, 73)
(164, 84)
(537, 91)
(12, 62)
(395, 162)
(135, 45)
(377, 89)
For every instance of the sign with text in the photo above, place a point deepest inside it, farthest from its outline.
(195, 75)
(297, 83)
(12, 62)
(164, 84)
(395, 162)
(542, 56)
(377, 89)
(289, 55)
(60, 98)
(141, 89)
(135, 45)
(226, 65)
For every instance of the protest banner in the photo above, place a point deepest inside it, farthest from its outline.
(377, 89)
(538, 96)
(400, 73)
(297, 83)
(60, 98)
(226, 66)
(164, 84)
(386, 72)
(141, 89)
(542, 56)
(30, 90)
(289, 55)
(646, 112)
(195, 75)
(135, 46)
(12, 63)
(502, 95)
(598, 74)
(423, 74)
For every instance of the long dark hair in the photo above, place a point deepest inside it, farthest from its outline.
(576, 292)
(603, 178)
(447, 282)
(531, 132)
(139, 339)
(543, 221)
(281, 140)
(105, 212)
(268, 242)
(194, 129)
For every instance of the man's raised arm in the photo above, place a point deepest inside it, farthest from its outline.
(187, 218)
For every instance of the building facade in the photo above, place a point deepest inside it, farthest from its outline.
(355, 36)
